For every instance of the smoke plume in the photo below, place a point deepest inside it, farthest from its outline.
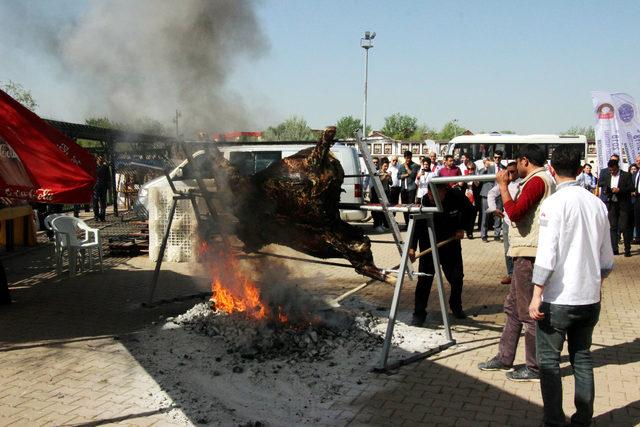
(130, 59)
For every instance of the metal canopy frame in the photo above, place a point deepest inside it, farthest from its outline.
(415, 213)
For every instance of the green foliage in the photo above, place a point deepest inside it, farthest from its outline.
(144, 124)
(148, 125)
(103, 122)
(20, 94)
(292, 129)
(423, 132)
(507, 132)
(589, 132)
(347, 127)
(450, 130)
(398, 126)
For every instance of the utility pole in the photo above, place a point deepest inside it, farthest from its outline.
(366, 43)
(175, 120)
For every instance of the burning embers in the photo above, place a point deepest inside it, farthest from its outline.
(235, 292)
(269, 317)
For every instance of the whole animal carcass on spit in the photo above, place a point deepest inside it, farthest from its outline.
(294, 203)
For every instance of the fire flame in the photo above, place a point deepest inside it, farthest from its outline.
(233, 291)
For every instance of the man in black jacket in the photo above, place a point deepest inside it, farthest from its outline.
(457, 214)
(103, 180)
(617, 186)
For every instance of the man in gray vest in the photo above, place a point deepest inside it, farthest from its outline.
(524, 214)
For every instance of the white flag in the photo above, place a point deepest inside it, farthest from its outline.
(617, 126)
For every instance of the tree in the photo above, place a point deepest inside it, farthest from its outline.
(148, 125)
(450, 130)
(589, 132)
(347, 127)
(20, 94)
(103, 122)
(423, 132)
(398, 126)
(292, 129)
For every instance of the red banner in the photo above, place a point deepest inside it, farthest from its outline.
(38, 162)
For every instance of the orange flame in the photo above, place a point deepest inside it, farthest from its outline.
(282, 316)
(233, 291)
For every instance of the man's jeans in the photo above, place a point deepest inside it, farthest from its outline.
(488, 218)
(505, 238)
(576, 323)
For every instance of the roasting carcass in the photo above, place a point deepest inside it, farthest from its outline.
(294, 203)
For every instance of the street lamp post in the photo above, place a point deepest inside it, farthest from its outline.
(366, 43)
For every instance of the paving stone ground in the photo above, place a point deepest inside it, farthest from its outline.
(62, 363)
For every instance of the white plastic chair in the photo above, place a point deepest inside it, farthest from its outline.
(49, 226)
(66, 232)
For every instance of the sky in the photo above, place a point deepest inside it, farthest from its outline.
(528, 67)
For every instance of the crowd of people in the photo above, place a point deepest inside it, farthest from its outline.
(561, 226)
(407, 182)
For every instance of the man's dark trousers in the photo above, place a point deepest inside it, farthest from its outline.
(636, 209)
(99, 203)
(516, 307)
(408, 197)
(394, 195)
(451, 261)
(620, 221)
(576, 323)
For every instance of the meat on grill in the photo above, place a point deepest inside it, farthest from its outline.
(294, 203)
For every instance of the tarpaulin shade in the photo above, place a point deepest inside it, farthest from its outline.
(38, 162)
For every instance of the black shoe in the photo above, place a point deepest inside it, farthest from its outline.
(417, 320)
(459, 314)
(523, 374)
(484, 239)
(616, 252)
(494, 365)
(497, 239)
(627, 254)
(470, 236)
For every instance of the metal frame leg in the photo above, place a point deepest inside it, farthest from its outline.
(404, 260)
(165, 239)
(438, 275)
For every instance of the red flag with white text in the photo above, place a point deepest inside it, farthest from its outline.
(38, 162)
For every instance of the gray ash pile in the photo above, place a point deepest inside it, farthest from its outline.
(262, 339)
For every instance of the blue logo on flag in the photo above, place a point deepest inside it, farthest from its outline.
(626, 113)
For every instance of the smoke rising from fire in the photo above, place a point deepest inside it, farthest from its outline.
(129, 59)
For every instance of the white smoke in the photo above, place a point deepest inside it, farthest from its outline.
(129, 59)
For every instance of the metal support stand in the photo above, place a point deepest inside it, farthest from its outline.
(384, 365)
(177, 195)
(418, 213)
(384, 201)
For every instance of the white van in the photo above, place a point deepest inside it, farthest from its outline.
(250, 158)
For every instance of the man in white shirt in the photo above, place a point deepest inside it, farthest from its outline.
(574, 256)
(495, 209)
(394, 195)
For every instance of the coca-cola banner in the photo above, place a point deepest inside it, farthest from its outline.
(617, 126)
(38, 162)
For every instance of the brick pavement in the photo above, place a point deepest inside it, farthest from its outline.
(62, 363)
